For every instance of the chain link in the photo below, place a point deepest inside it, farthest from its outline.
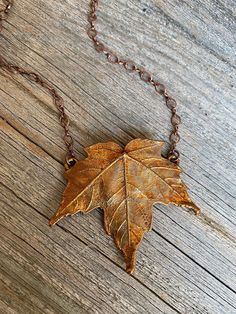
(57, 99)
(130, 66)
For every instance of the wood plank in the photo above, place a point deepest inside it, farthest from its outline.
(187, 263)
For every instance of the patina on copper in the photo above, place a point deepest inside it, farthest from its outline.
(125, 183)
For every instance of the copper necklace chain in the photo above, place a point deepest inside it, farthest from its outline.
(120, 180)
(130, 66)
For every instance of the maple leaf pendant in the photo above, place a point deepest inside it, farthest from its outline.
(125, 183)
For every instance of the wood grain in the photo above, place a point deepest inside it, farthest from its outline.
(185, 265)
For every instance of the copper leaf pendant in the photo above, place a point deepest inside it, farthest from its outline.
(125, 183)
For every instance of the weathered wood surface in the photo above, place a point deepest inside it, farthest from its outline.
(186, 264)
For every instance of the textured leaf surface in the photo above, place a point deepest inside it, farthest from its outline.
(125, 182)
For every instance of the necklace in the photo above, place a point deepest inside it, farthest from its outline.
(124, 182)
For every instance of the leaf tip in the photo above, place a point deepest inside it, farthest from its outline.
(130, 258)
(54, 219)
(130, 269)
(196, 209)
(192, 206)
(51, 222)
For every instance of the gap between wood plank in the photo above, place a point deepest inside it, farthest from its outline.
(194, 261)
